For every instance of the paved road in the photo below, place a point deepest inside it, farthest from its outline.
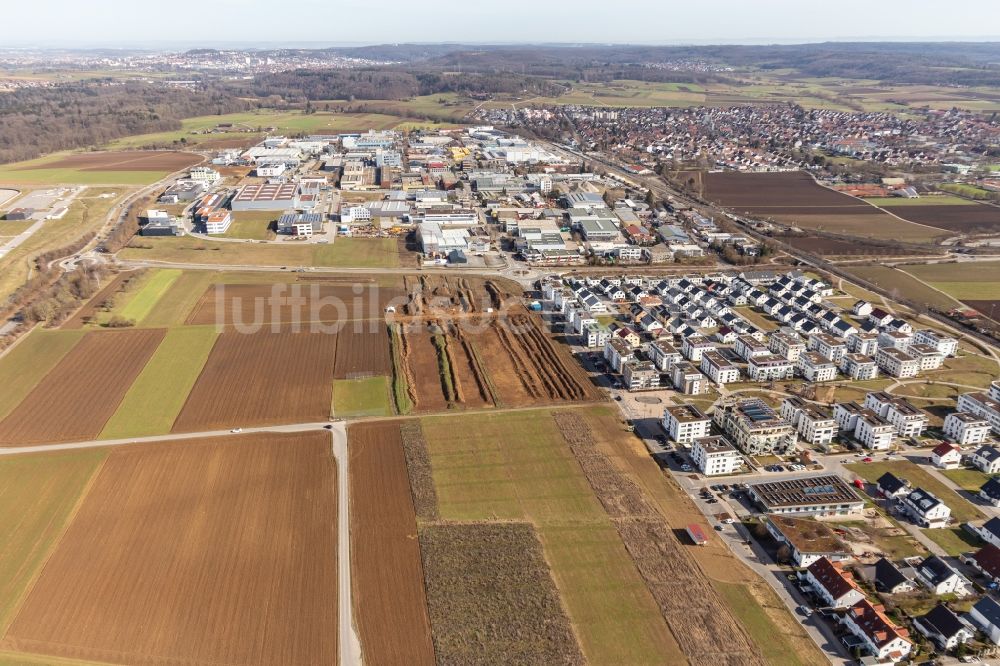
(350, 646)
(23, 237)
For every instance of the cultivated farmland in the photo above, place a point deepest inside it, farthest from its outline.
(76, 399)
(262, 379)
(22, 367)
(38, 493)
(385, 557)
(975, 218)
(491, 597)
(795, 199)
(245, 304)
(492, 466)
(233, 538)
(362, 351)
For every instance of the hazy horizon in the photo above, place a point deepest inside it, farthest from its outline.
(244, 23)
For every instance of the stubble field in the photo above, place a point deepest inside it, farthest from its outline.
(215, 551)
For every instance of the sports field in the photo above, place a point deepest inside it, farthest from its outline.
(361, 397)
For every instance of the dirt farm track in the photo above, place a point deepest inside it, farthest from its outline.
(204, 552)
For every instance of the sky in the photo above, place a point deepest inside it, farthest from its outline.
(159, 23)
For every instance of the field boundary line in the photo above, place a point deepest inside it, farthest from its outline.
(70, 517)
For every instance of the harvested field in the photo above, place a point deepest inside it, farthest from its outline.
(76, 399)
(362, 353)
(234, 538)
(387, 575)
(491, 597)
(246, 304)
(418, 467)
(699, 619)
(837, 247)
(262, 379)
(502, 466)
(972, 219)
(123, 161)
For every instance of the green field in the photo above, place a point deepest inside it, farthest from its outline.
(33, 172)
(145, 298)
(515, 466)
(254, 225)
(896, 202)
(179, 299)
(902, 285)
(954, 540)
(38, 493)
(22, 367)
(968, 479)
(757, 623)
(346, 252)
(963, 281)
(970, 191)
(361, 397)
(961, 509)
(158, 393)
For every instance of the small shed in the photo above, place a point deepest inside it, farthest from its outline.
(697, 534)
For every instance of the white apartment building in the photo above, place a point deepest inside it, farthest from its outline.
(662, 354)
(770, 367)
(897, 363)
(863, 343)
(786, 345)
(927, 356)
(904, 417)
(940, 342)
(815, 367)
(859, 367)
(895, 339)
(685, 423)
(596, 335)
(694, 346)
(965, 429)
(830, 346)
(714, 456)
(984, 405)
(687, 379)
(640, 375)
(874, 432)
(718, 369)
(846, 415)
(746, 347)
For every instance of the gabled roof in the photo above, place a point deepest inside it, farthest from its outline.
(923, 500)
(944, 448)
(888, 576)
(834, 580)
(991, 489)
(988, 559)
(874, 623)
(942, 621)
(992, 526)
(989, 609)
(937, 570)
(890, 483)
(988, 453)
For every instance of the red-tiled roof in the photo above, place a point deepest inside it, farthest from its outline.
(829, 574)
(943, 448)
(988, 559)
(873, 622)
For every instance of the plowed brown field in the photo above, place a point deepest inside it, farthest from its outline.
(245, 304)
(974, 218)
(387, 575)
(76, 399)
(128, 160)
(362, 353)
(262, 379)
(215, 551)
(526, 368)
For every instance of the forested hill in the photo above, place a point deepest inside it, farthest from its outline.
(36, 121)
